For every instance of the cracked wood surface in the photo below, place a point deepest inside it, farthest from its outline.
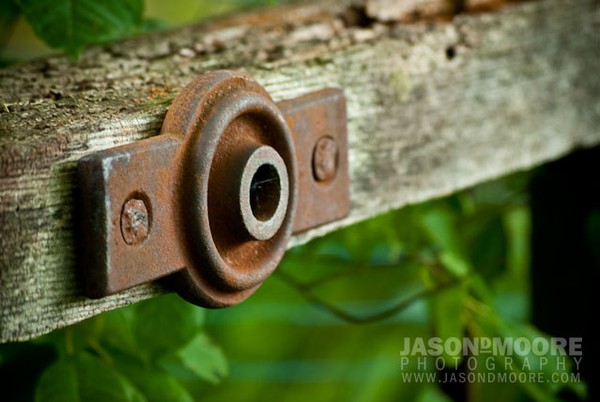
(433, 107)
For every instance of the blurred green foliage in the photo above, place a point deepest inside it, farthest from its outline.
(73, 25)
(328, 325)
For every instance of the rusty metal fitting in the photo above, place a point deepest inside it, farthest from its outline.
(233, 116)
(325, 159)
(264, 193)
(135, 221)
(212, 202)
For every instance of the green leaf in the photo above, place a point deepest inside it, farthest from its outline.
(84, 378)
(517, 225)
(155, 384)
(493, 391)
(202, 358)
(118, 330)
(164, 324)
(58, 383)
(74, 24)
(9, 12)
(456, 265)
(509, 190)
(440, 226)
(548, 365)
(448, 308)
(488, 248)
(431, 393)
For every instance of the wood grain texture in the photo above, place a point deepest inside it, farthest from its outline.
(432, 108)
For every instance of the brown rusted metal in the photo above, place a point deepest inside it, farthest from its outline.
(325, 159)
(213, 201)
(232, 116)
(135, 221)
(263, 193)
(107, 180)
(312, 117)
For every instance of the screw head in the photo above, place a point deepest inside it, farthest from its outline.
(325, 159)
(135, 221)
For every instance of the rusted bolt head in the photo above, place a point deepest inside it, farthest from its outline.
(264, 193)
(135, 221)
(325, 156)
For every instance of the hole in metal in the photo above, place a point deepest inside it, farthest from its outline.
(265, 191)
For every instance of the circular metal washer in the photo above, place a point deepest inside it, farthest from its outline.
(273, 189)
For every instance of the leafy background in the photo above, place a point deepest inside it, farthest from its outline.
(329, 325)
(34, 28)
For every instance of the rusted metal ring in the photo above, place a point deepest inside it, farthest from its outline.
(263, 193)
(230, 257)
(228, 116)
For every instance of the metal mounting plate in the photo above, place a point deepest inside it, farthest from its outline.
(312, 117)
(138, 209)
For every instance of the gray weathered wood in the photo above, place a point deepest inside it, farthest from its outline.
(432, 108)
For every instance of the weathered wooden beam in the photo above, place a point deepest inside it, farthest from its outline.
(432, 108)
